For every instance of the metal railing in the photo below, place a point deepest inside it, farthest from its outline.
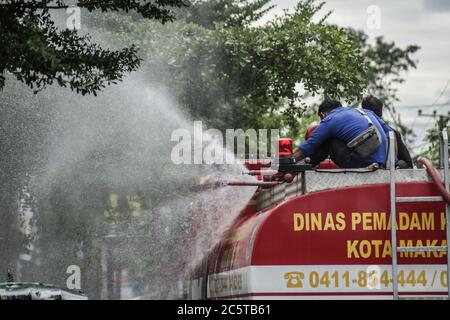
(443, 189)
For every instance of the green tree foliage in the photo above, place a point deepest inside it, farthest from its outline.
(231, 13)
(232, 72)
(433, 138)
(387, 65)
(39, 54)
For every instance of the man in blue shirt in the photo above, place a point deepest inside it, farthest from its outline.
(376, 105)
(338, 127)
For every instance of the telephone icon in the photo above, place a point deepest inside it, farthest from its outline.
(294, 279)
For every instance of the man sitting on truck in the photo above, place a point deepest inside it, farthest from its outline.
(353, 138)
(376, 105)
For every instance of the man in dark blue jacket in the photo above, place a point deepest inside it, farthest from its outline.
(376, 105)
(338, 127)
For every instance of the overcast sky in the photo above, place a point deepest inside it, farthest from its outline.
(422, 22)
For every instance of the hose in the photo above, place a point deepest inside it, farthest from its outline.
(435, 177)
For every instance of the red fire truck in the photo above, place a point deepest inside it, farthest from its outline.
(335, 234)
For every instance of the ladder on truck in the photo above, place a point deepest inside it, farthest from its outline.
(444, 161)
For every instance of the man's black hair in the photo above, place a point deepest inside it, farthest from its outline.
(374, 104)
(329, 105)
